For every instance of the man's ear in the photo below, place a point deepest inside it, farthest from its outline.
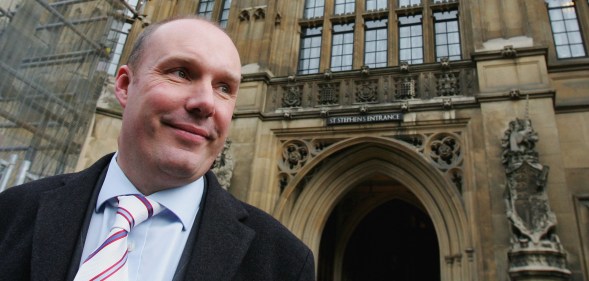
(122, 84)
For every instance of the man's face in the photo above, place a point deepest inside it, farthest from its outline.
(178, 102)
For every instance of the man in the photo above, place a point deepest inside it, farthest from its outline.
(178, 93)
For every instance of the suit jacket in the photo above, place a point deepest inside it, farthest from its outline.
(41, 224)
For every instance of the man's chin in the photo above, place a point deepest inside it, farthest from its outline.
(185, 172)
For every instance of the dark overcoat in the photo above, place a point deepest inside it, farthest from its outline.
(43, 225)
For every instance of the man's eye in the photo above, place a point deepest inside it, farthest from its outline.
(180, 73)
(224, 89)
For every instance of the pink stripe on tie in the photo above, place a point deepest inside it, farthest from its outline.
(117, 266)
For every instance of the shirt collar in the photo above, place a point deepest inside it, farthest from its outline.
(182, 201)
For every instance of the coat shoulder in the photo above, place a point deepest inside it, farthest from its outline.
(278, 248)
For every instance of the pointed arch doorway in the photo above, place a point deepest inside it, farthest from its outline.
(379, 231)
(316, 192)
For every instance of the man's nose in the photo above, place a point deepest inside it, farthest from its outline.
(201, 100)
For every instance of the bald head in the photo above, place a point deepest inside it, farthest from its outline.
(141, 43)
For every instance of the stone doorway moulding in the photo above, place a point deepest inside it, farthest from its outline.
(305, 208)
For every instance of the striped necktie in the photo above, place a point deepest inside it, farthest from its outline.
(109, 260)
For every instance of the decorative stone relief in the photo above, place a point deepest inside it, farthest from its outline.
(413, 140)
(509, 51)
(445, 62)
(535, 248)
(445, 80)
(223, 166)
(366, 91)
(404, 66)
(259, 13)
(328, 94)
(244, 15)
(297, 153)
(365, 70)
(293, 96)
(406, 88)
(443, 150)
(448, 84)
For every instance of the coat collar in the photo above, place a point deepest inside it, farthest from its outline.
(58, 227)
(222, 240)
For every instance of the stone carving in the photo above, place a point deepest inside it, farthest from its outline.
(456, 178)
(422, 87)
(328, 94)
(518, 145)
(448, 85)
(414, 140)
(366, 91)
(328, 74)
(404, 66)
(405, 106)
(535, 247)
(277, 19)
(295, 154)
(514, 94)
(445, 62)
(223, 166)
(293, 96)
(244, 15)
(509, 51)
(447, 104)
(406, 88)
(365, 70)
(445, 151)
(259, 13)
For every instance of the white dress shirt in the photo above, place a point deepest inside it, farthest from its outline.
(156, 245)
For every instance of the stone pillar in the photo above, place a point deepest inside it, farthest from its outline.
(536, 252)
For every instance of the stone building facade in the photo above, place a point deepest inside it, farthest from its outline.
(406, 139)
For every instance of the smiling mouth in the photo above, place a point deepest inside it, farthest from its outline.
(191, 130)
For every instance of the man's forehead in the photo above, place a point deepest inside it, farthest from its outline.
(189, 25)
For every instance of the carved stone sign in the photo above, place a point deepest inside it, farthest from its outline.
(368, 118)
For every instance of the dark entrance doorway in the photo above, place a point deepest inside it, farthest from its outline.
(395, 242)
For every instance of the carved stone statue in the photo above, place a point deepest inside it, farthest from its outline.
(223, 166)
(518, 145)
(535, 252)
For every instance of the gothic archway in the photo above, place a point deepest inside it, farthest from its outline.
(306, 203)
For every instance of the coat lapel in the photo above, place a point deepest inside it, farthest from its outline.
(59, 223)
(222, 239)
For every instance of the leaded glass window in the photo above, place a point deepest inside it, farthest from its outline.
(410, 39)
(314, 8)
(310, 50)
(342, 47)
(409, 3)
(225, 13)
(447, 35)
(372, 5)
(375, 45)
(205, 8)
(565, 29)
(344, 6)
